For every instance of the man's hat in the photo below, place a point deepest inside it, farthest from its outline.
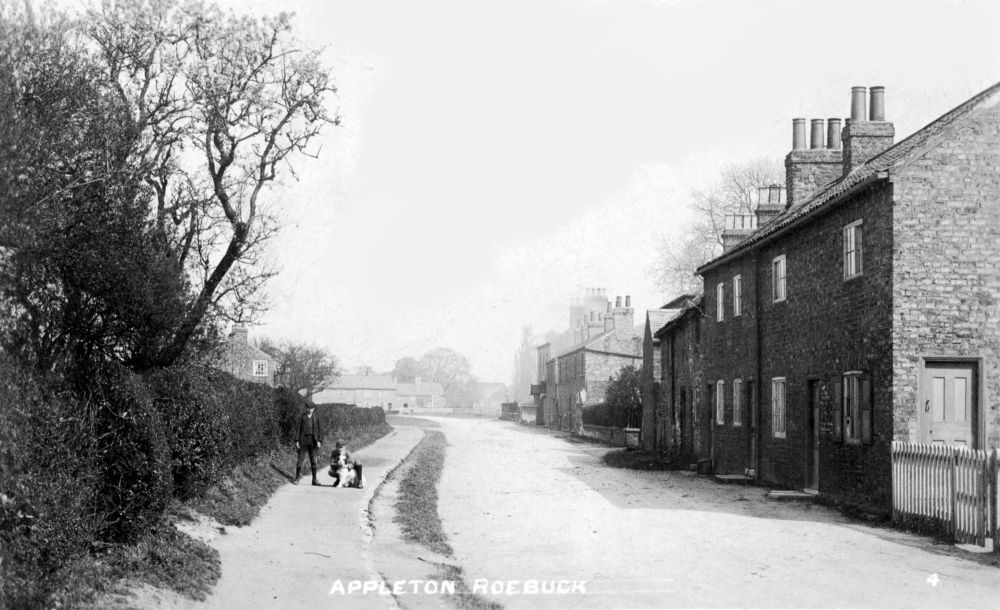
(340, 443)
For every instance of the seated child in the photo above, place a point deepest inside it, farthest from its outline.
(344, 470)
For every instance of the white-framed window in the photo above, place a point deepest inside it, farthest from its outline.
(778, 407)
(720, 306)
(737, 402)
(852, 250)
(778, 278)
(260, 368)
(737, 295)
(720, 403)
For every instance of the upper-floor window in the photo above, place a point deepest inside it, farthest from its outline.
(737, 295)
(778, 278)
(260, 368)
(720, 406)
(737, 402)
(778, 407)
(720, 293)
(852, 250)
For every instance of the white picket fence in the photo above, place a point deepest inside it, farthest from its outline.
(953, 486)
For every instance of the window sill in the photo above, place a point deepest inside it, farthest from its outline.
(854, 277)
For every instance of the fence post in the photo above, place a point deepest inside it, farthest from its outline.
(954, 495)
(994, 508)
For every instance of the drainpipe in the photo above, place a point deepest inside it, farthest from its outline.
(758, 370)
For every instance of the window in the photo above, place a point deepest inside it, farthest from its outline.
(852, 250)
(260, 368)
(778, 278)
(856, 409)
(737, 295)
(778, 407)
(720, 407)
(720, 292)
(737, 402)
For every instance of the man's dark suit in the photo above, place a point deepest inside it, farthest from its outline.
(308, 438)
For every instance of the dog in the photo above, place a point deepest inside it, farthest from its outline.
(343, 470)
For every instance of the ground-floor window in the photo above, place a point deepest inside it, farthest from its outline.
(778, 407)
(720, 406)
(737, 402)
(856, 408)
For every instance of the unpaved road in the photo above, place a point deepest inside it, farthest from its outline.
(519, 504)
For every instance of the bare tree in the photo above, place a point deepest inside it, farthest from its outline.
(304, 369)
(219, 107)
(734, 193)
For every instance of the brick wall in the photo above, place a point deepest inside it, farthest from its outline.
(946, 285)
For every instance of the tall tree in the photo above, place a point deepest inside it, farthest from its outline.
(734, 193)
(406, 370)
(220, 107)
(304, 369)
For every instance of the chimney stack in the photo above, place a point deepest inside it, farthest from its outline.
(864, 139)
(807, 169)
(769, 206)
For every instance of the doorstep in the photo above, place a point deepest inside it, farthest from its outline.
(738, 479)
(791, 495)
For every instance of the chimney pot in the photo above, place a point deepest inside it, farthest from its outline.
(628, 300)
(762, 194)
(833, 134)
(609, 306)
(816, 140)
(857, 104)
(798, 134)
(877, 106)
(618, 301)
(774, 194)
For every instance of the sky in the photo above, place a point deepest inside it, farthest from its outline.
(497, 158)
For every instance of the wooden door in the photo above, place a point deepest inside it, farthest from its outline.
(948, 406)
(812, 438)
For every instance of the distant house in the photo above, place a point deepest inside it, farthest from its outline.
(245, 361)
(361, 390)
(656, 319)
(574, 368)
(419, 396)
(490, 396)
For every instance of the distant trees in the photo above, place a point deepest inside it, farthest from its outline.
(138, 144)
(303, 369)
(734, 193)
(446, 367)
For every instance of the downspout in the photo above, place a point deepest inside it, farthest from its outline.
(758, 368)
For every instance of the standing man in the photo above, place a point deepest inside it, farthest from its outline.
(308, 438)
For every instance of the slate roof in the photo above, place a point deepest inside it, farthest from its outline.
(658, 318)
(419, 389)
(363, 382)
(889, 158)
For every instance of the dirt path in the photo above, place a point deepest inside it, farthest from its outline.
(306, 542)
(519, 504)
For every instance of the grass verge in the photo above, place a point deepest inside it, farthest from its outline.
(416, 507)
(417, 514)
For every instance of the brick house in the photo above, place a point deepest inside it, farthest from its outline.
(652, 371)
(574, 368)
(245, 361)
(862, 308)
